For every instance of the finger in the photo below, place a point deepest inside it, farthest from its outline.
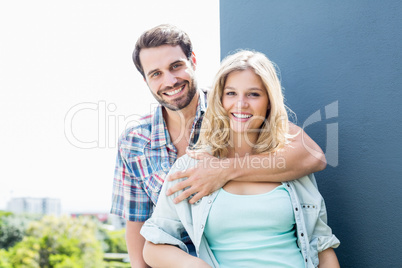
(177, 187)
(179, 174)
(197, 197)
(184, 195)
(197, 155)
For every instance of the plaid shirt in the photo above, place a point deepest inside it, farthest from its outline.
(145, 156)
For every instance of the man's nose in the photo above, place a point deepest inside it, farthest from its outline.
(169, 79)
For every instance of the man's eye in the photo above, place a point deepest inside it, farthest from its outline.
(155, 74)
(176, 66)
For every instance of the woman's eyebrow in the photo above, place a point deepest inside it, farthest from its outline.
(256, 88)
(251, 88)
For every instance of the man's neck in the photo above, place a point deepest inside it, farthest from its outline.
(179, 124)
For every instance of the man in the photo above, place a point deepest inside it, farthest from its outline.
(164, 57)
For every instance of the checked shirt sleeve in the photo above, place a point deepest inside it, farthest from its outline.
(129, 200)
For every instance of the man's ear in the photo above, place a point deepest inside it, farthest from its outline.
(193, 60)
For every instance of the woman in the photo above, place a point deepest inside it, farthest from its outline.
(244, 224)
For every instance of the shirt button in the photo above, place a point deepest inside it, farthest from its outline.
(202, 226)
(302, 234)
(296, 209)
(209, 201)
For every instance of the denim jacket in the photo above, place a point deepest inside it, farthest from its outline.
(169, 219)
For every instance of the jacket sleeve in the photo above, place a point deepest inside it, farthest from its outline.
(322, 235)
(169, 220)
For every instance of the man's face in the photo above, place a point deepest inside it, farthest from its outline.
(169, 75)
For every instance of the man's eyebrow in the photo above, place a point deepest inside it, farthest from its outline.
(152, 71)
(178, 61)
(157, 69)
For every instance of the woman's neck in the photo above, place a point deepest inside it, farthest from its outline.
(243, 144)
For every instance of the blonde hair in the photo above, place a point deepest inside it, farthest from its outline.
(215, 129)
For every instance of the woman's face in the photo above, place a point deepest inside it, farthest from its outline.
(246, 101)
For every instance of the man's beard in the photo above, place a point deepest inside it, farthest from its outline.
(181, 102)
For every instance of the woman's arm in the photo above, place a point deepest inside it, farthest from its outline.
(164, 230)
(170, 256)
(328, 259)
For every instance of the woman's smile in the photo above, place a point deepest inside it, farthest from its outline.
(246, 100)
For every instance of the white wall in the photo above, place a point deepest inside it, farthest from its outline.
(57, 56)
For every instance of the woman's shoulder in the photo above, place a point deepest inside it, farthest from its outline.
(182, 163)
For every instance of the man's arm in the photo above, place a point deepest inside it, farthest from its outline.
(130, 201)
(299, 158)
(135, 244)
(302, 156)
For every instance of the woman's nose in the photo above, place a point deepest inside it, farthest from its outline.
(242, 102)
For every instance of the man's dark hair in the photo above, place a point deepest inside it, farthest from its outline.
(164, 34)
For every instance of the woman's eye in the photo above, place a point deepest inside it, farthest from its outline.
(230, 93)
(254, 94)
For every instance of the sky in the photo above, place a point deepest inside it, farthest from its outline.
(68, 87)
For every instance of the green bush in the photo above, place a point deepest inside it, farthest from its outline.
(115, 241)
(12, 228)
(4, 260)
(114, 264)
(57, 242)
(62, 242)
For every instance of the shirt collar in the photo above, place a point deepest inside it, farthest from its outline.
(202, 104)
(159, 134)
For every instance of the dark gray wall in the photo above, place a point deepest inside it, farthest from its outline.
(340, 64)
